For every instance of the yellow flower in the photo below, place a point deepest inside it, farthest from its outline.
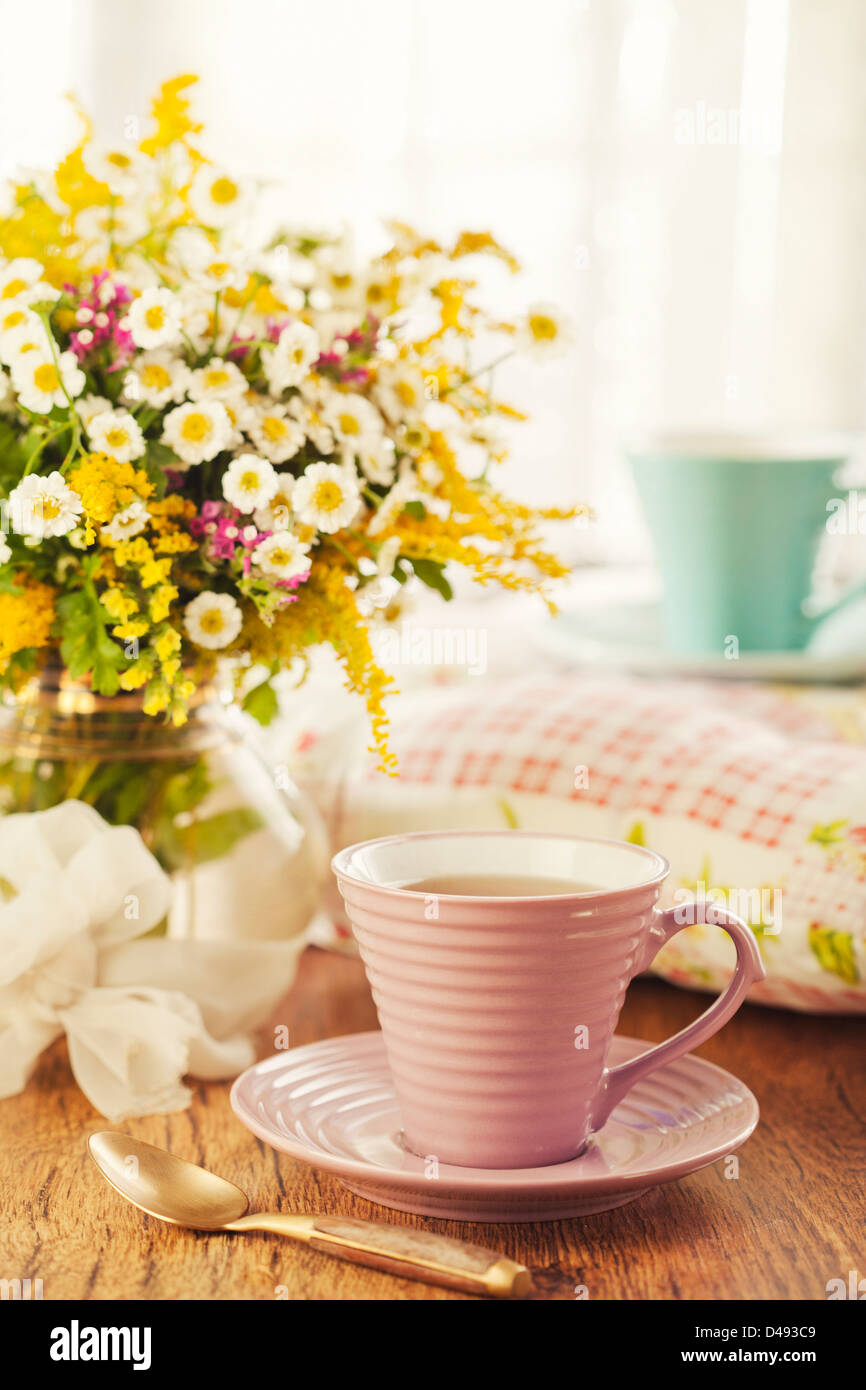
(451, 295)
(470, 243)
(135, 552)
(170, 111)
(168, 644)
(26, 618)
(266, 302)
(34, 228)
(177, 544)
(127, 630)
(154, 572)
(118, 605)
(179, 714)
(138, 555)
(327, 612)
(107, 487)
(135, 677)
(76, 186)
(156, 697)
(160, 603)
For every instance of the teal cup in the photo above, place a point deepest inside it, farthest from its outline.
(736, 523)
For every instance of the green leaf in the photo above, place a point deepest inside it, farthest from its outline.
(432, 573)
(828, 835)
(834, 951)
(416, 510)
(262, 703)
(157, 459)
(12, 456)
(85, 645)
(212, 837)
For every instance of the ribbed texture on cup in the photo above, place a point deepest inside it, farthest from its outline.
(480, 1011)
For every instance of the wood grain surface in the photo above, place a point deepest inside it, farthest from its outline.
(793, 1219)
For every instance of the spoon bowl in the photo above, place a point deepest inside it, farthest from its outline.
(166, 1186)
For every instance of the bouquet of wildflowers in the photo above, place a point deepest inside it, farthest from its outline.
(211, 450)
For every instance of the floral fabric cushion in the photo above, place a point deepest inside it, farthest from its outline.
(756, 796)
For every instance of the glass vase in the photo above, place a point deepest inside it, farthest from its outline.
(245, 848)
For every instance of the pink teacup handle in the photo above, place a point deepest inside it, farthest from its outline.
(616, 1081)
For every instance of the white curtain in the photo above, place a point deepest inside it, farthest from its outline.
(687, 177)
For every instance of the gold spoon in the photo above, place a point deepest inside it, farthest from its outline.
(174, 1190)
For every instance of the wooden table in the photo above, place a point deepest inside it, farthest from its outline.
(792, 1220)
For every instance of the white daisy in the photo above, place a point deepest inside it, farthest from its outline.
(215, 198)
(42, 383)
(354, 420)
(5, 551)
(19, 279)
(277, 515)
(404, 490)
(212, 620)
(289, 362)
(128, 523)
(99, 228)
(275, 434)
(191, 248)
(198, 430)
(88, 406)
(487, 432)
(197, 317)
(222, 271)
(154, 319)
(400, 391)
(326, 496)
(210, 267)
(545, 332)
(308, 417)
(282, 555)
(387, 557)
(117, 433)
(380, 288)
(124, 170)
(338, 277)
(15, 315)
(378, 461)
(41, 507)
(413, 436)
(217, 381)
(157, 378)
(249, 482)
(20, 331)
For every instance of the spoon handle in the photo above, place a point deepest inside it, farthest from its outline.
(402, 1250)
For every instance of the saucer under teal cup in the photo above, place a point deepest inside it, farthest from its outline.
(736, 522)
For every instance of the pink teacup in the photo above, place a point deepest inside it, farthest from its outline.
(497, 1012)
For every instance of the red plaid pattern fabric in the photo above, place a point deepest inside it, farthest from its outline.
(752, 786)
(659, 747)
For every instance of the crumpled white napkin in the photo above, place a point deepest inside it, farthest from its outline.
(77, 897)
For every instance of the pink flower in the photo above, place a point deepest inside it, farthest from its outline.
(99, 314)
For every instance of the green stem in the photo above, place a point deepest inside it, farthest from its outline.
(76, 441)
(233, 332)
(343, 551)
(34, 456)
(479, 372)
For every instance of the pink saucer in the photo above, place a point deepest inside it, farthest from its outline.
(332, 1105)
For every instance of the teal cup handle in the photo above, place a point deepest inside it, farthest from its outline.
(736, 526)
